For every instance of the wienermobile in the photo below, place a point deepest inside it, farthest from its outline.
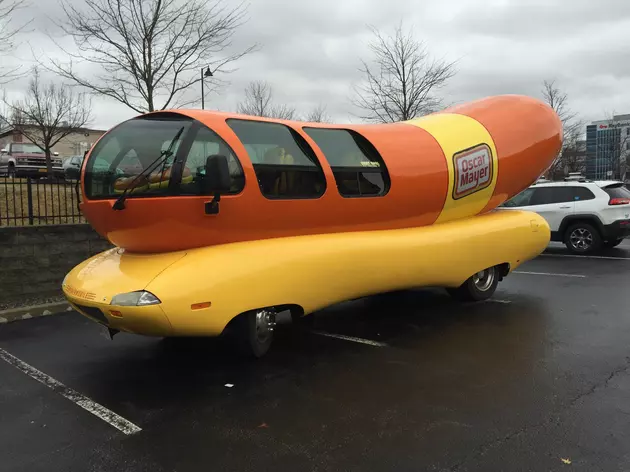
(221, 221)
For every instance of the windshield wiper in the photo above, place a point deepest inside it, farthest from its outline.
(119, 204)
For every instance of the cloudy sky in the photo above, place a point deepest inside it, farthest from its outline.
(310, 51)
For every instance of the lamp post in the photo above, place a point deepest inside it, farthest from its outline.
(204, 74)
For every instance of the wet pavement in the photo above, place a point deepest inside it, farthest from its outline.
(537, 379)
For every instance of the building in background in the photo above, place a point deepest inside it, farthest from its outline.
(608, 149)
(75, 144)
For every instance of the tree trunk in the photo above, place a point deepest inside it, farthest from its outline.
(49, 169)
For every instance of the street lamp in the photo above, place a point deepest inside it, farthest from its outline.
(204, 74)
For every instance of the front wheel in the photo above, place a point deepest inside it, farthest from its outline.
(582, 238)
(479, 287)
(253, 332)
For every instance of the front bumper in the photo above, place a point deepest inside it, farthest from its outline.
(36, 171)
(147, 320)
(618, 230)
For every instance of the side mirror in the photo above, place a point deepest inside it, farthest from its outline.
(5, 151)
(216, 180)
(55, 153)
(217, 176)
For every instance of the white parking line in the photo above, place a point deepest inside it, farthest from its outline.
(84, 402)
(550, 274)
(575, 256)
(350, 338)
(496, 300)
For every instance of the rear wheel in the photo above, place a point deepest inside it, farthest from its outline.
(480, 286)
(582, 238)
(253, 332)
(613, 243)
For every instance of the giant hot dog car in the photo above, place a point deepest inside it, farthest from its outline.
(235, 218)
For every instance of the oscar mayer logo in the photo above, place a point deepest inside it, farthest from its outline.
(473, 170)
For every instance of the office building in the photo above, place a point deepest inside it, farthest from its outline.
(608, 149)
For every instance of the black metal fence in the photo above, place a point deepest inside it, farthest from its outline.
(43, 201)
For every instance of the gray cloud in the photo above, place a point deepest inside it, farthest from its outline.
(310, 51)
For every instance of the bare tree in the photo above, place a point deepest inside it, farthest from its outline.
(8, 32)
(318, 115)
(49, 113)
(147, 53)
(571, 155)
(402, 82)
(259, 102)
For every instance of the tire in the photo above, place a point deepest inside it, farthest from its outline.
(613, 243)
(11, 171)
(582, 238)
(478, 287)
(253, 332)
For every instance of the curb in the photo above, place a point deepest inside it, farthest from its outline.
(35, 311)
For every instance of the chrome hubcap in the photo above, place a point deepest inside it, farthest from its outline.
(483, 280)
(265, 324)
(581, 238)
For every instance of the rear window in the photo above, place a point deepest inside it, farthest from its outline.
(617, 191)
(358, 168)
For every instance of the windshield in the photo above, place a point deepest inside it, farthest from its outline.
(123, 154)
(26, 148)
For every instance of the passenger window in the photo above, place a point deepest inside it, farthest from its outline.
(285, 165)
(581, 193)
(357, 166)
(208, 143)
(549, 195)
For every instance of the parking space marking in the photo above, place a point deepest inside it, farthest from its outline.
(575, 256)
(369, 342)
(495, 300)
(79, 399)
(550, 274)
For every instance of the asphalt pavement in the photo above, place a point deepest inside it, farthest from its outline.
(536, 379)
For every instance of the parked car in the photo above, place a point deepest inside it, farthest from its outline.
(585, 215)
(72, 167)
(27, 160)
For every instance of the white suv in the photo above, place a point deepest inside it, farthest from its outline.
(583, 214)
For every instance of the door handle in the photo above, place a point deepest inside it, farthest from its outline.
(565, 208)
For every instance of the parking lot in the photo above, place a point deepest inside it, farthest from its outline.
(536, 379)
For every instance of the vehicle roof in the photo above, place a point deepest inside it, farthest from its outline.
(564, 183)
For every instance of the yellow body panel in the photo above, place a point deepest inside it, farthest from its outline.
(455, 133)
(310, 271)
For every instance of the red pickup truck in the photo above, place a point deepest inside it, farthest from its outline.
(27, 160)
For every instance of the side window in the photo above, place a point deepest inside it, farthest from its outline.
(285, 165)
(549, 195)
(521, 199)
(357, 166)
(581, 193)
(207, 143)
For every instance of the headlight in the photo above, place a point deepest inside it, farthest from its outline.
(139, 298)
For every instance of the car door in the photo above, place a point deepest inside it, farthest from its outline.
(553, 204)
(583, 199)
